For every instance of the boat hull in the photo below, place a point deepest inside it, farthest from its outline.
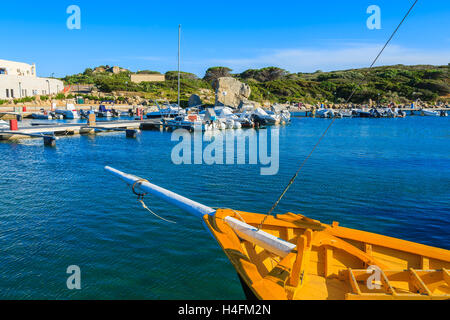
(330, 262)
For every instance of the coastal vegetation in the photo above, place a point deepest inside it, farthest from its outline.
(399, 83)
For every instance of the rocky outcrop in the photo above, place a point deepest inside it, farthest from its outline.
(231, 92)
(194, 100)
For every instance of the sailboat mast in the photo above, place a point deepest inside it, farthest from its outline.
(179, 45)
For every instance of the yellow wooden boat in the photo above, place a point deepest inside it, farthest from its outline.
(330, 262)
(293, 257)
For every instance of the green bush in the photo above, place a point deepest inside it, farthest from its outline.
(24, 100)
(391, 83)
(60, 96)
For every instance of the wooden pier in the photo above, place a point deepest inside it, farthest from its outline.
(49, 132)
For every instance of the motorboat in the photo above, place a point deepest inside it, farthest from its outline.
(345, 113)
(430, 113)
(226, 115)
(169, 111)
(264, 118)
(4, 125)
(325, 113)
(43, 115)
(362, 113)
(103, 112)
(69, 113)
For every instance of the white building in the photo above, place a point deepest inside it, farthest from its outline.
(19, 80)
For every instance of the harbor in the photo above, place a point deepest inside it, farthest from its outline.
(378, 181)
(174, 158)
(169, 118)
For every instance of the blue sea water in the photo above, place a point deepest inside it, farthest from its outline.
(58, 207)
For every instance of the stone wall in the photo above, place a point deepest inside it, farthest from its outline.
(138, 78)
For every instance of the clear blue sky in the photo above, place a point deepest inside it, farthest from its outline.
(295, 35)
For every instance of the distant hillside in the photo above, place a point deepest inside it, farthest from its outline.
(391, 83)
(397, 83)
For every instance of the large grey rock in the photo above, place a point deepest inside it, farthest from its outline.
(230, 92)
(194, 100)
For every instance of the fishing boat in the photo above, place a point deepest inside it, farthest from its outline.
(293, 257)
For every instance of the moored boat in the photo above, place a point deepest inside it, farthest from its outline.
(3, 125)
(430, 113)
(41, 116)
(69, 113)
(170, 111)
(292, 257)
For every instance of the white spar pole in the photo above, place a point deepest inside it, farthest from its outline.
(242, 229)
(181, 202)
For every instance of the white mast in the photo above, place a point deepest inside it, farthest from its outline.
(179, 48)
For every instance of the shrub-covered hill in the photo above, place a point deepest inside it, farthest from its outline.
(391, 83)
(397, 83)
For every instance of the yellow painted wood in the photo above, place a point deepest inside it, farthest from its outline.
(330, 261)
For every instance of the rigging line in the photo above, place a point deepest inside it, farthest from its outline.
(325, 132)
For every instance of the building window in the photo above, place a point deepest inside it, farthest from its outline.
(2, 71)
(12, 93)
(7, 93)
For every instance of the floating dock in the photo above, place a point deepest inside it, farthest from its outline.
(49, 132)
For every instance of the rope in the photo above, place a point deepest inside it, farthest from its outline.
(141, 200)
(149, 210)
(325, 132)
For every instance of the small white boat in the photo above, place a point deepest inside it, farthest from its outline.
(171, 111)
(264, 117)
(190, 122)
(346, 113)
(325, 113)
(4, 125)
(226, 115)
(69, 113)
(430, 113)
(103, 112)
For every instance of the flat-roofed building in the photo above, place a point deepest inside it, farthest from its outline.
(145, 77)
(19, 80)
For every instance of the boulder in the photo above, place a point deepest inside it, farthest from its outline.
(230, 92)
(194, 100)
